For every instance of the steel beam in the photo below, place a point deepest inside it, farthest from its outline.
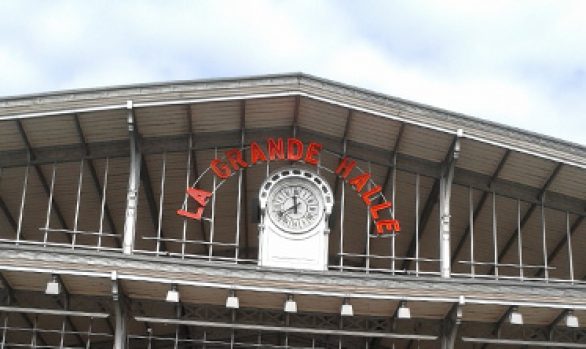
(194, 170)
(7, 212)
(438, 189)
(557, 249)
(513, 236)
(388, 177)
(522, 343)
(445, 193)
(395, 150)
(65, 304)
(245, 174)
(480, 205)
(56, 312)
(450, 326)
(94, 175)
(295, 114)
(284, 329)
(120, 313)
(12, 299)
(378, 156)
(555, 322)
(344, 140)
(41, 176)
(145, 179)
(133, 185)
(497, 326)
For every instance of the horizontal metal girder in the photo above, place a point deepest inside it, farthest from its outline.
(517, 342)
(377, 156)
(10, 309)
(252, 327)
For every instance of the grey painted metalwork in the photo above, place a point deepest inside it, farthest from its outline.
(210, 270)
(570, 249)
(161, 201)
(544, 239)
(284, 329)
(49, 204)
(185, 200)
(22, 203)
(520, 241)
(133, 185)
(514, 342)
(445, 191)
(480, 205)
(495, 236)
(105, 209)
(77, 204)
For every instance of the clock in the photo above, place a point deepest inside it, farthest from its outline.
(295, 206)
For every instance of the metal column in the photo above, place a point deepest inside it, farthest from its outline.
(445, 191)
(133, 183)
(450, 326)
(119, 314)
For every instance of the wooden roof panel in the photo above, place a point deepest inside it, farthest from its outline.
(270, 112)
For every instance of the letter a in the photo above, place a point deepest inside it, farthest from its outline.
(200, 196)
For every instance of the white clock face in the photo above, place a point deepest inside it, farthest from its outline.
(295, 206)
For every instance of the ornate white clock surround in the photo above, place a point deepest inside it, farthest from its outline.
(295, 205)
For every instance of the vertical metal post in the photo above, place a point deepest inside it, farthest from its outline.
(367, 264)
(133, 184)
(342, 209)
(570, 252)
(393, 195)
(88, 343)
(77, 204)
(495, 237)
(417, 180)
(49, 206)
(150, 338)
(520, 240)
(444, 213)
(471, 225)
(119, 314)
(213, 222)
(445, 192)
(62, 334)
(22, 202)
(103, 204)
(239, 199)
(161, 201)
(238, 217)
(4, 331)
(186, 202)
(232, 334)
(178, 315)
(544, 239)
(34, 332)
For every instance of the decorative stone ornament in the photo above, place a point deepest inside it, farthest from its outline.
(295, 206)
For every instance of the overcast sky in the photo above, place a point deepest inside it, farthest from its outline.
(521, 63)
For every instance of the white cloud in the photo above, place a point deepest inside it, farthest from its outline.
(521, 63)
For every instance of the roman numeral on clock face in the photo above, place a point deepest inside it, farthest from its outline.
(295, 207)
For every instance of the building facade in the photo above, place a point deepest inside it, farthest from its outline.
(283, 211)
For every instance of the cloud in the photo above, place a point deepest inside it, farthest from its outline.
(522, 63)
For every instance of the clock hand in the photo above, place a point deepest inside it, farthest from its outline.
(295, 203)
(281, 213)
